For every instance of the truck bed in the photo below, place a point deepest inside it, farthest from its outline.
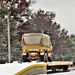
(58, 63)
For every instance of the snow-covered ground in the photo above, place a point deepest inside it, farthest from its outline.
(13, 68)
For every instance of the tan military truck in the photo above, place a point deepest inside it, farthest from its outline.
(36, 46)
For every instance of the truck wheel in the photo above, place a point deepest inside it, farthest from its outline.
(49, 59)
(65, 68)
(42, 57)
(24, 58)
(53, 69)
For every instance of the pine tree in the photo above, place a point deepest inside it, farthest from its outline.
(14, 10)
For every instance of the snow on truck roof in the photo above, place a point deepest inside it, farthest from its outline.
(36, 38)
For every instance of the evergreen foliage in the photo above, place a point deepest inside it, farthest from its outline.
(38, 22)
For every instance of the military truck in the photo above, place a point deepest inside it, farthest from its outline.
(36, 46)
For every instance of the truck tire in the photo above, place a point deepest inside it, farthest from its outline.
(65, 68)
(42, 57)
(24, 58)
(49, 59)
(53, 69)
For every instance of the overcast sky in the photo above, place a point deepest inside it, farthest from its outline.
(64, 9)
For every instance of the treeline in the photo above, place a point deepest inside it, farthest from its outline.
(24, 21)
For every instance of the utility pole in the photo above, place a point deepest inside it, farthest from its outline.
(8, 27)
(9, 52)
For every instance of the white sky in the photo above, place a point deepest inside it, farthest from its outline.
(64, 9)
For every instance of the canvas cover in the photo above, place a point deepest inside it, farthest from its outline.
(36, 38)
